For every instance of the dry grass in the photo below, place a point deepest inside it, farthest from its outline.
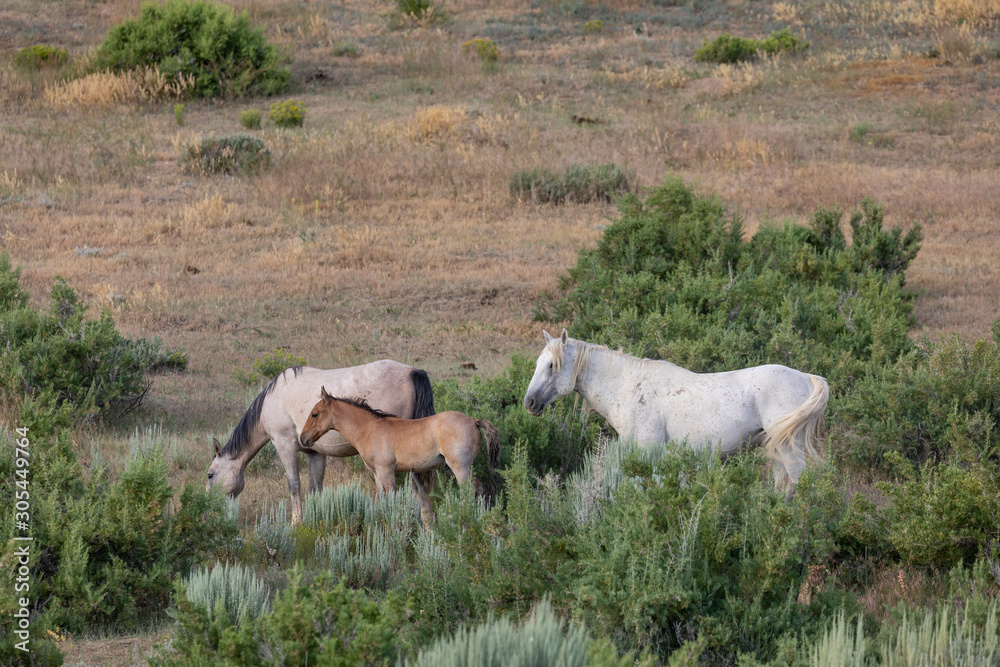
(106, 89)
(383, 223)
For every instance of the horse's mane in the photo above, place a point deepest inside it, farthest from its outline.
(585, 350)
(240, 438)
(363, 404)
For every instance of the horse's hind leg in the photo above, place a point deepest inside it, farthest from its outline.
(423, 483)
(317, 470)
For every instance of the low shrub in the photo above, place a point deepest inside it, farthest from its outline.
(234, 154)
(942, 515)
(729, 49)
(311, 622)
(250, 119)
(289, 113)
(204, 41)
(937, 398)
(485, 49)
(268, 366)
(782, 41)
(230, 589)
(421, 10)
(179, 111)
(726, 49)
(577, 184)
(593, 27)
(41, 55)
(540, 640)
(60, 357)
(345, 48)
(107, 552)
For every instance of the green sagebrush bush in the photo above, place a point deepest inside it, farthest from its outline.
(578, 183)
(230, 589)
(268, 366)
(250, 119)
(208, 43)
(41, 55)
(943, 514)
(668, 547)
(317, 622)
(539, 640)
(364, 541)
(233, 154)
(673, 278)
(729, 49)
(941, 639)
(106, 552)
(59, 357)
(935, 398)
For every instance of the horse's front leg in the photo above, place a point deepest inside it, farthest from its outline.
(288, 454)
(317, 469)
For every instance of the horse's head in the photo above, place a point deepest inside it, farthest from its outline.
(554, 376)
(225, 472)
(320, 420)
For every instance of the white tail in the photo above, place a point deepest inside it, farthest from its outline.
(793, 438)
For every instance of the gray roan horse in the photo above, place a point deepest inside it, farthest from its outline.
(775, 407)
(281, 409)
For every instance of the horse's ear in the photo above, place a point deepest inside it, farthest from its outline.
(215, 443)
(325, 396)
(548, 338)
(564, 337)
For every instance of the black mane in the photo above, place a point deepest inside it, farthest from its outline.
(240, 439)
(363, 404)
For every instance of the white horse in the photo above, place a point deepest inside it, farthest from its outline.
(776, 407)
(281, 409)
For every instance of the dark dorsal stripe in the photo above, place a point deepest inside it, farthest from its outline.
(239, 441)
(363, 404)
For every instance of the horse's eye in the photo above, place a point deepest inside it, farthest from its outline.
(315, 415)
(550, 365)
(211, 475)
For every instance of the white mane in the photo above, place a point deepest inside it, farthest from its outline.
(584, 352)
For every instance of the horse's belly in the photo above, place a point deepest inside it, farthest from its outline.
(333, 444)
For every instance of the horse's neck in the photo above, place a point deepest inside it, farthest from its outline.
(603, 381)
(258, 438)
(355, 426)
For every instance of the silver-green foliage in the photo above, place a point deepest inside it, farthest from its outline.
(374, 559)
(349, 508)
(941, 639)
(230, 588)
(273, 537)
(502, 643)
(368, 538)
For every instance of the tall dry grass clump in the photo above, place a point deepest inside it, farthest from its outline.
(438, 122)
(107, 89)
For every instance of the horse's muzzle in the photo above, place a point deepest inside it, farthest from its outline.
(532, 406)
(307, 443)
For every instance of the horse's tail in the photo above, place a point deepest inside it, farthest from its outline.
(492, 442)
(807, 420)
(423, 403)
(423, 406)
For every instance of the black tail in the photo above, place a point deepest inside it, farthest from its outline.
(423, 405)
